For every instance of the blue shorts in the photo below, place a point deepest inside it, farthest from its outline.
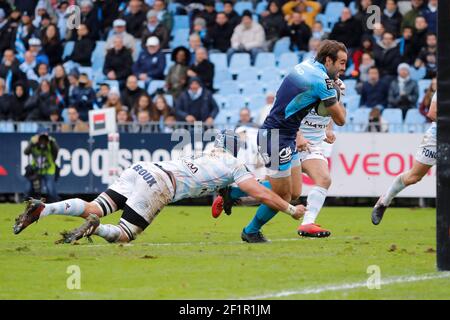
(279, 155)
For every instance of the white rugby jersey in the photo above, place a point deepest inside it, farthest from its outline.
(204, 175)
(313, 127)
(431, 132)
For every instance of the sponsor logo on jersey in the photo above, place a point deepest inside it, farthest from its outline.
(329, 83)
(285, 155)
(429, 153)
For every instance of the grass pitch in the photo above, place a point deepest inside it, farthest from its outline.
(186, 254)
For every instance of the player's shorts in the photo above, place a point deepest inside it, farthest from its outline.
(316, 152)
(147, 189)
(280, 157)
(426, 152)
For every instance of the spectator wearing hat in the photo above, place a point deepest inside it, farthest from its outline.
(135, 18)
(35, 48)
(299, 33)
(154, 28)
(39, 12)
(83, 97)
(196, 104)
(131, 92)
(308, 9)
(90, 19)
(199, 27)
(387, 56)
(248, 37)
(159, 6)
(403, 92)
(83, 47)
(176, 79)
(74, 123)
(119, 30)
(273, 23)
(151, 62)
(233, 17)
(218, 38)
(202, 68)
(118, 61)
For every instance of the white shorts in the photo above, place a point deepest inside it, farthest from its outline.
(147, 188)
(426, 152)
(316, 152)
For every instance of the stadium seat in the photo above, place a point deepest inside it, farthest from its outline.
(169, 99)
(98, 56)
(219, 60)
(241, 6)
(247, 74)
(180, 22)
(137, 49)
(154, 85)
(287, 61)
(172, 7)
(270, 74)
(256, 102)
(353, 8)
(251, 88)
(424, 84)
(236, 102)
(142, 84)
(229, 87)
(6, 127)
(28, 127)
(180, 38)
(112, 83)
(264, 60)
(417, 74)
(414, 121)
(219, 6)
(169, 63)
(261, 6)
(351, 102)
(227, 117)
(238, 61)
(360, 119)
(323, 19)
(220, 77)
(272, 86)
(350, 87)
(281, 46)
(87, 70)
(333, 11)
(221, 101)
(68, 48)
(394, 119)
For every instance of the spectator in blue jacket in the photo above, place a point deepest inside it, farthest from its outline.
(374, 92)
(151, 62)
(83, 97)
(430, 14)
(196, 104)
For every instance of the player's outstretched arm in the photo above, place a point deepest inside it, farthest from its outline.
(270, 198)
(432, 113)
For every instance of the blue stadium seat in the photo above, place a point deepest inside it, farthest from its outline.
(180, 22)
(241, 6)
(360, 119)
(112, 83)
(256, 102)
(98, 56)
(220, 77)
(87, 70)
(221, 101)
(323, 19)
(227, 117)
(137, 49)
(229, 87)
(417, 74)
(414, 121)
(154, 85)
(272, 86)
(28, 127)
(424, 84)
(251, 88)
(287, 61)
(350, 87)
(394, 119)
(238, 61)
(142, 84)
(6, 127)
(180, 38)
(351, 102)
(68, 48)
(261, 6)
(264, 60)
(353, 8)
(219, 6)
(169, 63)
(247, 74)
(281, 46)
(333, 10)
(65, 115)
(236, 102)
(270, 74)
(172, 7)
(219, 60)
(169, 99)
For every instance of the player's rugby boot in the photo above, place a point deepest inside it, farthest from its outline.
(223, 202)
(312, 230)
(257, 237)
(31, 214)
(85, 230)
(378, 211)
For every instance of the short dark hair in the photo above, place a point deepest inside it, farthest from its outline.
(329, 48)
(374, 68)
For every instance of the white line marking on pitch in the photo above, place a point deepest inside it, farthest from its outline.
(348, 286)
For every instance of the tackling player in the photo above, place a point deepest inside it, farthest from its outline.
(424, 160)
(145, 188)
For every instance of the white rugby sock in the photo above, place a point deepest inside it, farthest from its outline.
(71, 207)
(315, 200)
(109, 232)
(396, 186)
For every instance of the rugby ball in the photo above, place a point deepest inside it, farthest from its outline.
(321, 110)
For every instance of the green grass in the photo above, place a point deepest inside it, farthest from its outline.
(186, 254)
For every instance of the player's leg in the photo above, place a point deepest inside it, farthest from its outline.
(296, 177)
(317, 170)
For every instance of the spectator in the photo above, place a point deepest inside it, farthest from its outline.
(75, 124)
(363, 15)
(318, 32)
(90, 20)
(392, 18)
(17, 102)
(24, 32)
(52, 45)
(113, 100)
(131, 92)
(299, 33)
(55, 121)
(196, 104)
(40, 13)
(60, 85)
(123, 117)
(424, 106)
(62, 18)
(219, 36)
(428, 57)
(119, 30)
(144, 102)
(5, 107)
(83, 47)
(28, 66)
(102, 94)
(307, 9)
(233, 17)
(159, 6)
(347, 30)
(374, 92)
(7, 31)
(83, 97)
(155, 29)
(107, 11)
(376, 122)
(248, 37)
(199, 27)
(387, 56)
(202, 68)
(406, 46)
(366, 47)
(410, 17)
(430, 15)
(135, 18)
(273, 24)
(118, 61)
(143, 124)
(151, 62)
(245, 118)
(419, 39)
(265, 110)
(43, 150)
(160, 111)
(403, 92)
(10, 69)
(39, 105)
(194, 43)
(367, 62)
(208, 13)
(35, 48)
(176, 79)
(42, 72)
(378, 31)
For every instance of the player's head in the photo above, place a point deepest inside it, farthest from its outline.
(333, 55)
(229, 141)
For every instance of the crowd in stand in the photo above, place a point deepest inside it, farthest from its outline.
(38, 82)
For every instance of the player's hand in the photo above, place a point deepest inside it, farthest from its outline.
(299, 212)
(330, 137)
(341, 86)
(34, 139)
(303, 144)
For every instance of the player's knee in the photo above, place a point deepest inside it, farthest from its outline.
(324, 182)
(412, 179)
(93, 208)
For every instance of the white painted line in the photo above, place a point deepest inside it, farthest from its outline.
(348, 286)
